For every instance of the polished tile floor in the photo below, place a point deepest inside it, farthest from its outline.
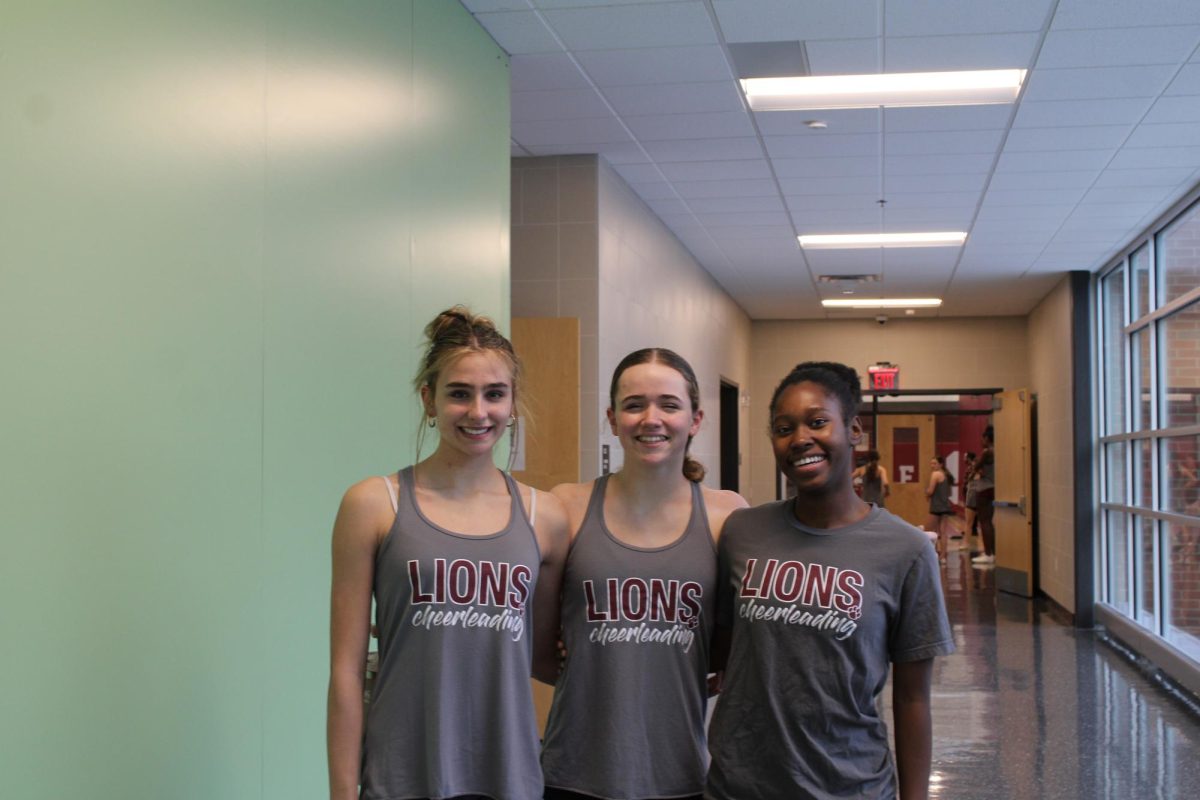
(1031, 708)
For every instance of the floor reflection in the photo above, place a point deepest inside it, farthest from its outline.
(1031, 708)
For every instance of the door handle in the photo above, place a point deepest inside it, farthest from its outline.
(1019, 505)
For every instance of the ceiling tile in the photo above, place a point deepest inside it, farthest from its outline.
(718, 205)
(655, 190)
(843, 56)
(675, 98)
(1074, 179)
(932, 53)
(1051, 161)
(804, 203)
(558, 104)
(1090, 137)
(652, 25)
(782, 20)
(519, 32)
(840, 122)
(1114, 47)
(954, 17)
(1085, 14)
(835, 220)
(828, 186)
(988, 211)
(1115, 111)
(903, 200)
(1174, 109)
(822, 146)
(943, 142)
(1127, 194)
(1187, 82)
(729, 149)
(1033, 197)
(935, 219)
(1093, 210)
(1047, 223)
(1166, 176)
(939, 164)
(1097, 83)
(848, 166)
(639, 173)
(1174, 134)
(545, 71)
(477, 6)
(562, 131)
(750, 219)
(695, 64)
(744, 188)
(743, 169)
(714, 125)
(962, 182)
(1152, 157)
(947, 118)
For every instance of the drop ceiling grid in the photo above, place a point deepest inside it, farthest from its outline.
(1070, 189)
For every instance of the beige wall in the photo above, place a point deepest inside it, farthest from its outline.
(584, 245)
(1050, 379)
(555, 263)
(932, 354)
(654, 294)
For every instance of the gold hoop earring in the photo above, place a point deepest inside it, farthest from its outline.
(433, 422)
(512, 420)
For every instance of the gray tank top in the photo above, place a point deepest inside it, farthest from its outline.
(627, 719)
(872, 488)
(452, 709)
(939, 501)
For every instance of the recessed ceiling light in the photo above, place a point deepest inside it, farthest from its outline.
(832, 241)
(895, 89)
(884, 302)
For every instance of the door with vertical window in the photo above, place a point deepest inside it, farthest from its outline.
(906, 444)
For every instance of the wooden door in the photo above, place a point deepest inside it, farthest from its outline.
(905, 445)
(1014, 493)
(549, 455)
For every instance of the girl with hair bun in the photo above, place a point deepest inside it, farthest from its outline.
(818, 596)
(627, 721)
(465, 566)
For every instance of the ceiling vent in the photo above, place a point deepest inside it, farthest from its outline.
(770, 59)
(848, 279)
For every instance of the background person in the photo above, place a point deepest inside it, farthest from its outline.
(875, 487)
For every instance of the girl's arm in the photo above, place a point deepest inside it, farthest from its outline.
(913, 726)
(356, 533)
(554, 537)
(887, 487)
(933, 482)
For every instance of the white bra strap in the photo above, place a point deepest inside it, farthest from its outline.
(532, 505)
(391, 493)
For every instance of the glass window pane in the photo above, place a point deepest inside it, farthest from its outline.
(1179, 354)
(1179, 256)
(1143, 473)
(1115, 462)
(1181, 486)
(1146, 574)
(1119, 562)
(1139, 271)
(1142, 366)
(1181, 582)
(1112, 298)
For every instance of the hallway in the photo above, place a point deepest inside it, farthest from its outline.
(1031, 708)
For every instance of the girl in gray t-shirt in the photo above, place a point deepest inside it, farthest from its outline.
(821, 595)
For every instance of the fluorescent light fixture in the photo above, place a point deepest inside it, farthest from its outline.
(855, 241)
(895, 89)
(884, 302)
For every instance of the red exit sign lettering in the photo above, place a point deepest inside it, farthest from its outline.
(884, 376)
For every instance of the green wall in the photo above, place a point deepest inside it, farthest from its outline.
(222, 227)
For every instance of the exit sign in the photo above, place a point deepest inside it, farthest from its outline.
(884, 376)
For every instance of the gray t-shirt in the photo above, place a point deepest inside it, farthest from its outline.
(817, 615)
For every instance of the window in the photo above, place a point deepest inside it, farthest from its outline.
(1148, 350)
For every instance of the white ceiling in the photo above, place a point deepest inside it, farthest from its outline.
(1105, 136)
